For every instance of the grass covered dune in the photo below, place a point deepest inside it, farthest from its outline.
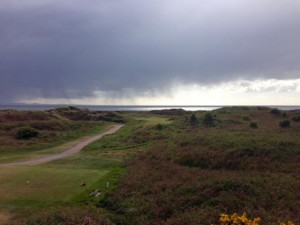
(164, 167)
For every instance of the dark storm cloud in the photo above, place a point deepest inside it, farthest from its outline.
(71, 48)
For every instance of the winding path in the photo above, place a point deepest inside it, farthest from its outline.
(67, 152)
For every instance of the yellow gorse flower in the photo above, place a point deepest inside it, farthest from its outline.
(235, 219)
(288, 223)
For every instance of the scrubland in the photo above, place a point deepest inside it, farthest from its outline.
(198, 170)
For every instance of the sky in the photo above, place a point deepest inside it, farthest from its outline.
(158, 52)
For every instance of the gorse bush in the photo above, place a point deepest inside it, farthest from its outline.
(275, 111)
(26, 133)
(235, 219)
(253, 124)
(284, 123)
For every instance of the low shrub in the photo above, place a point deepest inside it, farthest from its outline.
(237, 220)
(69, 216)
(26, 133)
(208, 119)
(296, 118)
(195, 160)
(159, 127)
(253, 124)
(245, 117)
(275, 111)
(193, 119)
(242, 220)
(284, 114)
(6, 127)
(284, 123)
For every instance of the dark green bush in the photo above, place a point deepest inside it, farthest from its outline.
(208, 119)
(159, 126)
(275, 111)
(193, 119)
(6, 127)
(245, 117)
(195, 160)
(253, 124)
(284, 123)
(26, 133)
(284, 114)
(296, 118)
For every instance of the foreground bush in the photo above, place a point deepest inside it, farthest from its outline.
(235, 219)
(26, 133)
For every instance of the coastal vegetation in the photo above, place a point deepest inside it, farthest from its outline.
(163, 167)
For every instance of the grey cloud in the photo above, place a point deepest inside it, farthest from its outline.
(71, 48)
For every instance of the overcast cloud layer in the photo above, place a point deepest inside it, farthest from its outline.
(74, 48)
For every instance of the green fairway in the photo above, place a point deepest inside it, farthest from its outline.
(43, 185)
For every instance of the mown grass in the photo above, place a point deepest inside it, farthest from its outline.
(39, 186)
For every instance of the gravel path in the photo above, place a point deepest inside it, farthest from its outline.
(66, 153)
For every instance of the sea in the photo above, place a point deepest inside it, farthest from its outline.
(42, 107)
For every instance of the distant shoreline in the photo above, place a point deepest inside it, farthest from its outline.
(136, 107)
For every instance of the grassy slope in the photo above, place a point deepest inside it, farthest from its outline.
(55, 128)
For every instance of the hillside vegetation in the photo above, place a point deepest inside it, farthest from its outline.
(23, 132)
(216, 163)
